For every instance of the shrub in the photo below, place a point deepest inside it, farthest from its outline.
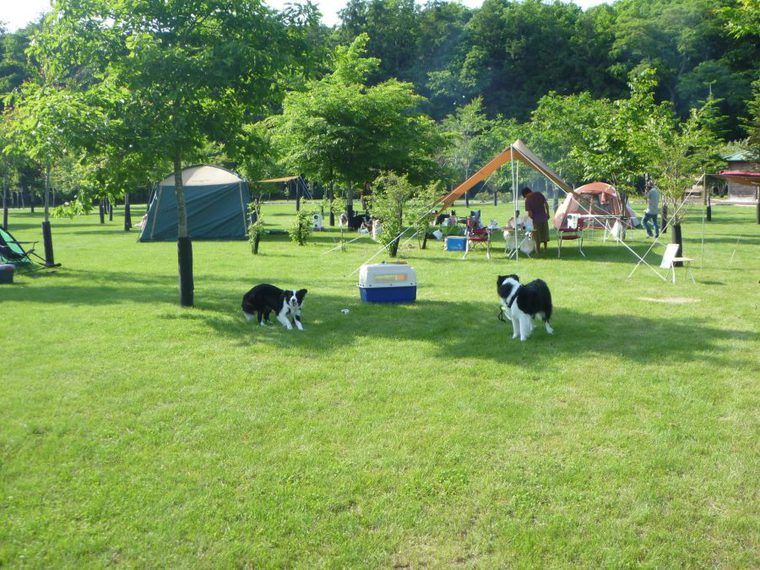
(300, 229)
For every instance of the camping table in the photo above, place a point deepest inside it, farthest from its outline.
(604, 219)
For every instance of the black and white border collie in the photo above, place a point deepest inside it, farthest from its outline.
(264, 299)
(523, 303)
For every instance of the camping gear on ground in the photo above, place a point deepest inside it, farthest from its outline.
(455, 243)
(216, 201)
(597, 204)
(387, 283)
(316, 221)
(6, 273)
(13, 253)
(572, 232)
(477, 235)
(670, 260)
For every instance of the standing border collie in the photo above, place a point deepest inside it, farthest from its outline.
(523, 303)
(264, 299)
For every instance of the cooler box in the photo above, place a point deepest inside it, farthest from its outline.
(455, 243)
(6, 273)
(387, 283)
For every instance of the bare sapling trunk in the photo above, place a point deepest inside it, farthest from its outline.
(5, 204)
(127, 213)
(184, 246)
(331, 197)
(676, 237)
(47, 235)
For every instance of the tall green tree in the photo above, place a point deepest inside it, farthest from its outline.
(177, 73)
(47, 122)
(677, 153)
(340, 129)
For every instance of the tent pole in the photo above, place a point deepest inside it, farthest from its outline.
(514, 199)
(517, 193)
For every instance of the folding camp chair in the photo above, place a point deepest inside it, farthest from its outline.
(11, 251)
(669, 261)
(477, 235)
(568, 233)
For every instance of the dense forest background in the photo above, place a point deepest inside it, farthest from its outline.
(501, 59)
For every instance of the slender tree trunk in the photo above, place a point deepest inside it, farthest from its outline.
(5, 204)
(102, 210)
(350, 201)
(298, 196)
(331, 197)
(255, 218)
(757, 209)
(675, 237)
(127, 213)
(184, 245)
(109, 204)
(664, 226)
(708, 210)
(47, 235)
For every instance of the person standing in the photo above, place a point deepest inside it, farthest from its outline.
(653, 203)
(538, 211)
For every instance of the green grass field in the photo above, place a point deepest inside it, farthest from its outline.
(137, 433)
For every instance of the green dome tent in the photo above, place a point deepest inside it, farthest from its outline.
(216, 201)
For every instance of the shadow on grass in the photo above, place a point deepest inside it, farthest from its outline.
(451, 329)
(468, 329)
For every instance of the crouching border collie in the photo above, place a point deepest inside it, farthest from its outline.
(264, 299)
(523, 303)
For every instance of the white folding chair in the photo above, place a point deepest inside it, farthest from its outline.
(669, 261)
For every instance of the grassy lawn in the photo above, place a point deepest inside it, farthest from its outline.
(137, 433)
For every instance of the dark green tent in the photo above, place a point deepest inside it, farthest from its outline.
(217, 206)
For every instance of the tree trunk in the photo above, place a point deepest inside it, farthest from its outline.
(664, 229)
(184, 245)
(127, 213)
(708, 210)
(495, 196)
(47, 235)
(330, 197)
(5, 204)
(109, 204)
(256, 241)
(298, 197)
(676, 238)
(350, 201)
(757, 209)
(102, 210)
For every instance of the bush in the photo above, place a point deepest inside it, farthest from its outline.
(256, 227)
(300, 229)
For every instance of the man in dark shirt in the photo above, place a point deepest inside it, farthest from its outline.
(538, 211)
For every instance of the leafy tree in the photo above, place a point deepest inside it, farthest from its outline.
(342, 129)
(467, 132)
(677, 153)
(393, 29)
(176, 74)
(300, 229)
(391, 194)
(48, 122)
